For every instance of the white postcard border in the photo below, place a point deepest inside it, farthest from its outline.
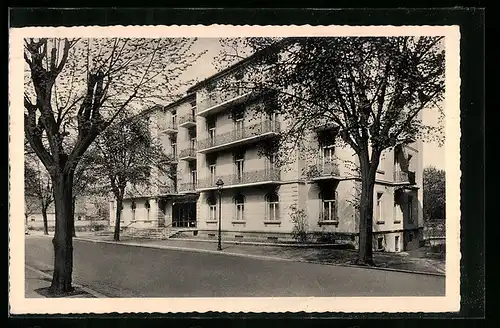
(21, 305)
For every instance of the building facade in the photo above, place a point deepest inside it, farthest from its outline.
(215, 133)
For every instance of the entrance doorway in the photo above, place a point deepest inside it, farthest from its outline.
(184, 215)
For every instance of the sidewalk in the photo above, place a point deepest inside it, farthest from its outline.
(37, 283)
(384, 261)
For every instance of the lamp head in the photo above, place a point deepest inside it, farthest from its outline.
(219, 184)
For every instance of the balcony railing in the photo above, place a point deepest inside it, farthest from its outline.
(252, 177)
(188, 119)
(323, 169)
(167, 190)
(404, 177)
(172, 157)
(187, 187)
(249, 132)
(168, 127)
(219, 97)
(188, 153)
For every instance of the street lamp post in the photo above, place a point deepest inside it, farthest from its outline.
(219, 185)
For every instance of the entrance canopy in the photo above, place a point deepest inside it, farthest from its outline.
(179, 199)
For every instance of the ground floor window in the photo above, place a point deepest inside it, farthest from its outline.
(272, 213)
(329, 206)
(380, 243)
(239, 202)
(212, 209)
(396, 243)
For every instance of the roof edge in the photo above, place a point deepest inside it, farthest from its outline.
(238, 64)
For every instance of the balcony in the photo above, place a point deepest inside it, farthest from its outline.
(188, 154)
(169, 128)
(324, 170)
(187, 187)
(252, 178)
(172, 158)
(219, 100)
(187, 121)
(402, 177)
(238, 137)
(167, 190)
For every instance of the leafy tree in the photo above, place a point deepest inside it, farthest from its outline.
(434, 190)
(74, 89)
(128, 155)
(38, 190)
(371, 90)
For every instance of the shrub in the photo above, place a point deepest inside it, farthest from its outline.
(300, 225)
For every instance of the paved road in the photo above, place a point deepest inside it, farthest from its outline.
(127, 271)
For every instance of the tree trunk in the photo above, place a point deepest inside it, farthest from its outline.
(45, 220)
(63, 239)
(368, 173)
(119, 204)
(73, 201)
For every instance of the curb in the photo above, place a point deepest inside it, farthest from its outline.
(86, 289)
(232, 242)
(187, 249)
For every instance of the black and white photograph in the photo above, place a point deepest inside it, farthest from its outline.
(231, 168)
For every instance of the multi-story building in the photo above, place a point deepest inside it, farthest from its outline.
(216, 133)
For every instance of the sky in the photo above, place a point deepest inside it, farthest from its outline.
(433, 155)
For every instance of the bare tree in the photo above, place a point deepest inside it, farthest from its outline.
(74, 89)
(128, 155)
(371, 90)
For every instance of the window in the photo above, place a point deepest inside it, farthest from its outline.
(79, 217)
(192, 143)
(173, 146)
(238, 115)
(239, 202)
(212, 208)
(328, 154)
(396, 243)
(193, 177)
(238, 127)
(192, 133)
(329, 209)
(211, 134)
(239, 160)
(213, 173)
(271, 161)
(410, 209)
(272, 207)
(380, 243)
(379, 216)
(174, 119)
(211, 129)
